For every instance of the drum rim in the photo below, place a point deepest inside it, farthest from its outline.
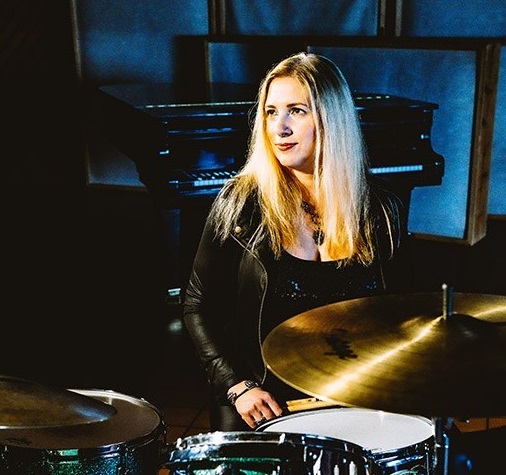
(108, 392)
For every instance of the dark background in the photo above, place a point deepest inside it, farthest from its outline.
(84, 264)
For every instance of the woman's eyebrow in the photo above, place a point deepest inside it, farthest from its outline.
(292, 104)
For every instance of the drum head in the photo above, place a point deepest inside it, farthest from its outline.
(134, 421)
(376, 431)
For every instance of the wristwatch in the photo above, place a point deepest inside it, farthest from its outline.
(232, 396)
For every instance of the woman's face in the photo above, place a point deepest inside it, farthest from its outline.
(290, 124)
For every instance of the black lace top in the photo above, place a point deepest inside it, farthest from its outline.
(297, 285)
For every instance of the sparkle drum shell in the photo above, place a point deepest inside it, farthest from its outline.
(396, 443)
(263, 453)
(129, 442)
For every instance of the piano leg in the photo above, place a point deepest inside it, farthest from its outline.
(171, 231)
(181, 229)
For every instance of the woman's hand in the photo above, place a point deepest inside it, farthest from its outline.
(257, 406)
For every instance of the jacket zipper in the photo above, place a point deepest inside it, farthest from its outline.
(259, 327)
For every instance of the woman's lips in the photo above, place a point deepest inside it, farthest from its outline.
(285, 146)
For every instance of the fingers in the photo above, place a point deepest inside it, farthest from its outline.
(257, 407)
(256, 420)
(261, 421)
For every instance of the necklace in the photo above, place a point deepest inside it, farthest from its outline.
(318, 235)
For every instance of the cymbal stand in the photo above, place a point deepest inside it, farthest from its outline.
(441, 424)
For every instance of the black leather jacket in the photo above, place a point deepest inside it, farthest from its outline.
(223, 303)
(224, 299)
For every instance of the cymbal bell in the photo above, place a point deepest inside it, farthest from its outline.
(28, 404)
(400, 353)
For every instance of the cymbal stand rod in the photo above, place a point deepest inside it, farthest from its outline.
(447, 300)
(442, 445)
(442, 439)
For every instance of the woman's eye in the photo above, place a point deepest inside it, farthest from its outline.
(270, 112)
(297, 111)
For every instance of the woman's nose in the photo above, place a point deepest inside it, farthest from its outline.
(282, 127)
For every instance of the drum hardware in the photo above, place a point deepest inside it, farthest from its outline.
(442, 447)
(131, 442)
(264, 453)
(29, 404)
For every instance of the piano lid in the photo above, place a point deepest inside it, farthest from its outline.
(378, 101)
(166, 99)
(179, 110)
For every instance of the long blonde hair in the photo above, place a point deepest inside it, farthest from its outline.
(340, 174)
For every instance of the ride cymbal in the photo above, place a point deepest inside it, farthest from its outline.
(27, 404)
(403, 353)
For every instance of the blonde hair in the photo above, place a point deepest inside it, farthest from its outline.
(340, 175)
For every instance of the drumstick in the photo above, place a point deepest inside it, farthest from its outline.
(478, 424)
(308, 403)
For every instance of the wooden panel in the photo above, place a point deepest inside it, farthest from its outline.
(246, 59)
(293, 17)
(454, 18)
(497, 194)
(483, 134)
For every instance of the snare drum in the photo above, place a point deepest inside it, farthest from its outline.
(130, 442)
(257, 453)
(397, 444)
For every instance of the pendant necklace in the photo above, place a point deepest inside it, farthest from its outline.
(318, 235)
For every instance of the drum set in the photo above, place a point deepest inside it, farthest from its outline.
(50, 431)
(385, 377)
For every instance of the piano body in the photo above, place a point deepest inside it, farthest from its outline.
(186, 145)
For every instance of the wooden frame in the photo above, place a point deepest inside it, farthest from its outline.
(480, 71)
(497, 194)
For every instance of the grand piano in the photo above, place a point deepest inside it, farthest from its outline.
(187, 144)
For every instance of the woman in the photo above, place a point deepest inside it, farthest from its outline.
(300, 226)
